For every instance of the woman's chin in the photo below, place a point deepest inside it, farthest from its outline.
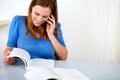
(37, 25)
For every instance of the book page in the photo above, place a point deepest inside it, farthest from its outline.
(20, 53)
(70, 74)
(37, 62)
(41, 73)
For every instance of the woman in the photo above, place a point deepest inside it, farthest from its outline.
(39, 33)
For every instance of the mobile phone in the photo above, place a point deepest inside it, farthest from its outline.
(48, 19)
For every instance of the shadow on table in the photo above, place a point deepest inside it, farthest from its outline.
(12, 72)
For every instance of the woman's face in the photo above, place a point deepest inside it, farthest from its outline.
(40, 14)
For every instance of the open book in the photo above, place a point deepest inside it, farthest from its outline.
(45, 68)
(55, 74)
(31, 63)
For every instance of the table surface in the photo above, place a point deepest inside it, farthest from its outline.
(93, 70)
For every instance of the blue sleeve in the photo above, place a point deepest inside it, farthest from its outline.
(60, 35)
(13, 32)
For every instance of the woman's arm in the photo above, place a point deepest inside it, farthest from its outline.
(12, 39)
(61, 51)
(6, 53)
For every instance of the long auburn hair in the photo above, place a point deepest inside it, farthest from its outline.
(34, 31)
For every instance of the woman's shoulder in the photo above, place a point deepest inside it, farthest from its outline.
(58, 25)
(19, 17)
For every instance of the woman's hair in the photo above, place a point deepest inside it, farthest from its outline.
(34, 31)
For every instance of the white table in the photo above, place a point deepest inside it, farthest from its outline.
(95, 71)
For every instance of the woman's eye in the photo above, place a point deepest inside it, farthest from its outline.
(37, 14)
(45, 16)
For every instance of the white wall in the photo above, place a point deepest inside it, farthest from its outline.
(91, 29)
(9, 8)
(84, 25)
(79, 27)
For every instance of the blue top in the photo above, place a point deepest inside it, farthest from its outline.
(36, 48)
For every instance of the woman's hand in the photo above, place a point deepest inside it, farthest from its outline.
(61, 51)
(50, 26)
(6, 53)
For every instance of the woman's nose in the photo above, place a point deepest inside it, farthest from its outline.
(39, 18)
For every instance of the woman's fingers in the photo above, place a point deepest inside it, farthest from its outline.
(9, 60)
